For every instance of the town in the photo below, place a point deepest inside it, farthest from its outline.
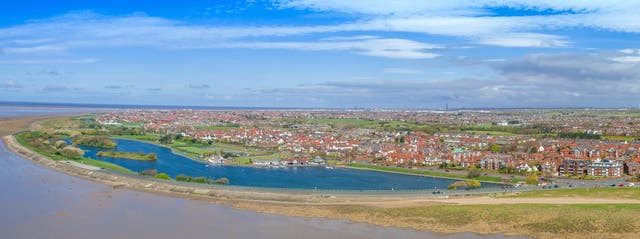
(575, 143)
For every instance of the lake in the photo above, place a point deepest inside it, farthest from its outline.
(309, 177)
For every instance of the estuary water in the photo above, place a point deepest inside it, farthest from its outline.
(308, 177)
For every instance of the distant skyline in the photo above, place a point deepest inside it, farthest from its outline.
(323, 53)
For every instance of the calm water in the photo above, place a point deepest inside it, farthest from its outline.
(37, 202)
(288, 177)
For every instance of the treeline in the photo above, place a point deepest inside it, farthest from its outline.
(95, 141)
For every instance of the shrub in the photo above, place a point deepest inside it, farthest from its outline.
(532, 179)
(473, 173)
(183, 178)
(71, 152)
(163, 176)
(153, 156)
(60, 144)
(471, 184)
(222, 181)
(149, 172)
(201, 180)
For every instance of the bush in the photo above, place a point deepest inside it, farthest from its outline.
(153, 156)
(532, 179)
(163, 176)
(183, 178)
(468, 184)
(222, 181)
(201, 180)
(71, 152)
(473, 173)
(149, 172)
(95, 141)
(471, 184)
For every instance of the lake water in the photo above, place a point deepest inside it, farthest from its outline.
(37, 202)
(310, 177)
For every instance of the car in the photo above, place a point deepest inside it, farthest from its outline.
(613, 185)
(621, 185)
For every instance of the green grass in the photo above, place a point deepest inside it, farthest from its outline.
(533, 218)
(492, 132)
(105, 165)
(216, 127)
(246, 160)
(423, 172)
(612, 193)
(146, 137)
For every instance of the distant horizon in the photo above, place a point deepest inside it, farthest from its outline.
(213, 107)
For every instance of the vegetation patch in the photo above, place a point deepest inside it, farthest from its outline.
(128, 155)
(95, 141)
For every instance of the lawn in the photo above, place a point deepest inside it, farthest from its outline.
(612, 193)
(490, 132)
(247, 160)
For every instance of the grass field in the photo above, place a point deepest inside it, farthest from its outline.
(489, 132)
(533, 220)
(247, 160)
(611, 193)
(422, 172)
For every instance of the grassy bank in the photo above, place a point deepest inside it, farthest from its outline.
(534, 220)
(422, 172)
(609, 193)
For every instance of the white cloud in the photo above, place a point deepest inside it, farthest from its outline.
(525, 40)
(380, 47)
(34, 49)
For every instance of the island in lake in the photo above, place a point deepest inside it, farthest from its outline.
(128, 155)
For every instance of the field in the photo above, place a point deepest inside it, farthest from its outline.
(611, 193)
(247, 160)
(534, 220)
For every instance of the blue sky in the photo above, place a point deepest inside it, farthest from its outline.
(323, 53)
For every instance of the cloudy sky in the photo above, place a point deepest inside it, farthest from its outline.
(324, 53)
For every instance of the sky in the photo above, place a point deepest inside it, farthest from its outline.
(323, 53)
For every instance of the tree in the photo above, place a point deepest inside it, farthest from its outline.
(166, 139)
(495, 148)
(473, 173)
(71, 152)
(532, 179)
